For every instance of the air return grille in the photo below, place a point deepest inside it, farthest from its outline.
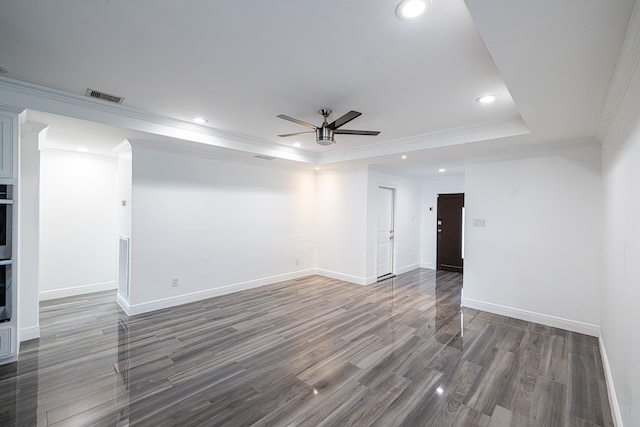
(92, 93)
(124, 282)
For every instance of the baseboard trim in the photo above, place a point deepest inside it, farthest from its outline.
(530, 316)
(344, 277)
(32, 333)
(370, 280)
(407, 268)
(135, 309)
(611, 390)
(124, 304)
(427, 265)
(9, 359)
(78, 290)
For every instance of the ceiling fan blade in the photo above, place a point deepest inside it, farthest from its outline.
(356, 132)
(300, 122)
(341, 121)
(296, 133)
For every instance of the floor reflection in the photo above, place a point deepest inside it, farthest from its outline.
(443, 314)
(122, 368)
(19, 388)
(448, 313)
(231, 359)
(303, 352)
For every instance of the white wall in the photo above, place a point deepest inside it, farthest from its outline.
(621, 285)
(124, 191)
(407, 216)
(219, 225)
(31, 134)
(430, 190)
(125, 170)
(78, 233)
(340, 224)
(539, 256)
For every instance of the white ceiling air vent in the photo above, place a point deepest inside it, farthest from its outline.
(92, 93)
(260, 156)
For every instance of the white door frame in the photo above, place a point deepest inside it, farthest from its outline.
(393, 190)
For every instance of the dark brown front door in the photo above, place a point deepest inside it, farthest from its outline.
(449, 229)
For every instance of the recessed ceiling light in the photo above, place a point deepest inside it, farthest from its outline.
(317, 168)
(442, 170)
(411, 9)
(404, 157)
(486, 99)
(297, 144)
(82, 149)
(199, 120)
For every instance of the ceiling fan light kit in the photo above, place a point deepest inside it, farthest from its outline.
(326, 132)
(324, 136)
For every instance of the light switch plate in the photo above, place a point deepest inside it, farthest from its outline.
(479, 222)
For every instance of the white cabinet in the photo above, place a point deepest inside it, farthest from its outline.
(9, 119)
(5, 342)
(8, 128)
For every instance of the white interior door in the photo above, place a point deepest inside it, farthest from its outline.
(386, 197)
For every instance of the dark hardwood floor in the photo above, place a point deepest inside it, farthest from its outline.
(312, 351)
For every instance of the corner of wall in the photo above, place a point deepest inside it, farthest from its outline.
(345, 277)
(611, 389)
(30, 333)
(530, 316)
(124, 304)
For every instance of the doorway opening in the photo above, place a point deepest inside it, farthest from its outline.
(450, 232)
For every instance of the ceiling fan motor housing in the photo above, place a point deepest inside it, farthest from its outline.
(324, 136)
(325, 132)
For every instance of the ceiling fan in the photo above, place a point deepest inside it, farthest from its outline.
(325, 133)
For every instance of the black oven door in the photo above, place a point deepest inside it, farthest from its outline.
(5, 230)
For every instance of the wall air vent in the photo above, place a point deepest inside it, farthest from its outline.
(92, 93)
(260, 156)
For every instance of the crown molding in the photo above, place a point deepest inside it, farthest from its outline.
(626, 67)
(11, 108)
(19, 95)
(395, 172)
(535, 149)
(123, 147)
(455, 136)
(16, 93)
(214, 153)
(32, 127)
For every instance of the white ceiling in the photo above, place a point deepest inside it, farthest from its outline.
(239, 64)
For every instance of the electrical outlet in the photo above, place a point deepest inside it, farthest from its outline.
(175, 282)
(297, 261)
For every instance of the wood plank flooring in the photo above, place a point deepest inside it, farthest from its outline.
(309, 352)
